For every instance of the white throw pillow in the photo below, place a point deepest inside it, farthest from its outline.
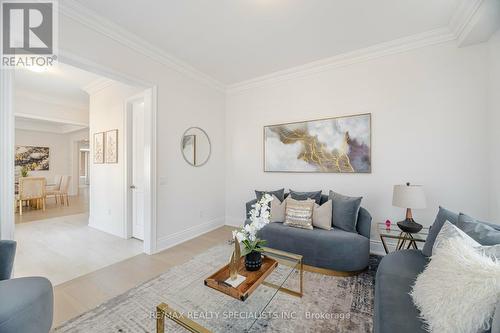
(459, 288)
(322, 215)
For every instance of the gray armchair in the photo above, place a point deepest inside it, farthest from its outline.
(26, 304)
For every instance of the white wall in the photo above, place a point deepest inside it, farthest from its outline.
(190, 200)
(59, 152)
(428, 127)
(107, 201)
(494, 121)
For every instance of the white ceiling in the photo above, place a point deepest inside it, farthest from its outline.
(237, 40)
(30, 124)
(61, 82)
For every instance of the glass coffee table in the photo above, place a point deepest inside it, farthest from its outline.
(199, 308)
(404, 239)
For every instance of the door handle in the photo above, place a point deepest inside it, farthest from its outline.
(132, 187)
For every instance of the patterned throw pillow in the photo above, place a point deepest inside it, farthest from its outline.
(299, 214)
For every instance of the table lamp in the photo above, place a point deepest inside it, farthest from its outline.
(409, 196)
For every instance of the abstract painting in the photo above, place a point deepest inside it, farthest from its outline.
(33, 158)
(111, 149)
(335, 145)
(99, 148)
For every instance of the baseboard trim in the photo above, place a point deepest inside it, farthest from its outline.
(177, 238)
(234, 221)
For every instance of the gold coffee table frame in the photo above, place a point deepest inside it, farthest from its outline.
(164, 311)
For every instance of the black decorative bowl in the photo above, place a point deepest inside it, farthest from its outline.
(409, 226)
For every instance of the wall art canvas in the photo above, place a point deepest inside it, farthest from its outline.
(99, 148)
(33, 158)
(335, 145)
(111, 149)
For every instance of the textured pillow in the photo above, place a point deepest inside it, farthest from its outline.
(442, 216)
(345, 211)
(280, 194)
(480, 232)
(299, 213)
(459, 288)
(449, 231)
(316, 196)
(277, 210)
(322, 215)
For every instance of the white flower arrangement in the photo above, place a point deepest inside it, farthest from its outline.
(260, 216)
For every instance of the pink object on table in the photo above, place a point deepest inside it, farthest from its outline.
(388, 224)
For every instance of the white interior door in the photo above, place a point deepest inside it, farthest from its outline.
(138, 170)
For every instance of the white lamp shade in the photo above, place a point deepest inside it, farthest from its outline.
(409, 196)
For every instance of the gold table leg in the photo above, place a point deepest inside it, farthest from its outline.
(300, 293)
(164, 311)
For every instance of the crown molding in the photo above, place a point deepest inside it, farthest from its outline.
(79, 13)
(97, 85)
(361, 55)
(463, 16)
(455, 30)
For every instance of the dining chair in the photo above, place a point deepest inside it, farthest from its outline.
(31, 189)
(52, 190)
(62, 193)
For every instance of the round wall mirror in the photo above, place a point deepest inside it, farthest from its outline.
(195, 146)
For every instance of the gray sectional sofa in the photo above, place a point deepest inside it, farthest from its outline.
(26, 304)
(396, 274)
(335, 249)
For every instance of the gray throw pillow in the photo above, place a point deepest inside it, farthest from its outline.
(316, 196)
(280, 194)
(481, 232)
(442, 216)
(345, 211)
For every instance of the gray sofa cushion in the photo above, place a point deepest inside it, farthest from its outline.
(394, 308)
(332, 249)
(481, 232)
(7, 254)
(280, 194)
(442, 216)
(345, 211)
(26, 305)
(316, 196)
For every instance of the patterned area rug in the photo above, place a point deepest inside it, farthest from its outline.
(329, 304)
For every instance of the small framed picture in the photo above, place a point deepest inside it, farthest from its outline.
(111, 149)
(99, 148)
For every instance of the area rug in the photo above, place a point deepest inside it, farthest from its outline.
(329, 304)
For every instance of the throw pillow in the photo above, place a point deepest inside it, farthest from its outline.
(459, 288)
(322, 215)
(480, 232)
(299, 213)
(277, 210)
(442, 216)
(344, 211)
(449, 231)
(316, 196)
(280, 194)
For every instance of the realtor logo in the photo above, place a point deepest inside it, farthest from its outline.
(28, 33)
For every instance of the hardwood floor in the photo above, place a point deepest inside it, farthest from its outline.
(78, 205)
(64, 248)
(74, 297)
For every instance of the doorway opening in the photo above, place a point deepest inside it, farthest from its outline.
(68, 169)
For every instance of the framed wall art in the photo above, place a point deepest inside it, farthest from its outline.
(332, 145)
